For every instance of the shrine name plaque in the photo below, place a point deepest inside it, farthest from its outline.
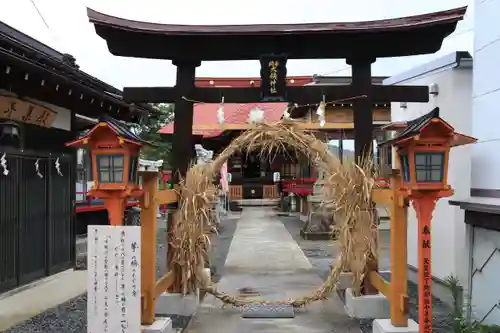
(273, 78)
(12, 108)
(113, 279)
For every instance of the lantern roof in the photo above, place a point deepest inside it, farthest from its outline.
(415, 127)
(119, 128)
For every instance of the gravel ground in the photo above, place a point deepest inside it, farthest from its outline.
(320, 253)
(72, 315)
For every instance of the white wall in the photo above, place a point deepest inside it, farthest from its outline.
(486, 95)
(448, 227)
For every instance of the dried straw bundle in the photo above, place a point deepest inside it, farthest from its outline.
(347, 192)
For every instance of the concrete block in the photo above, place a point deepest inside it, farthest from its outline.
(366, 306)
(207, 274)
(161, 325)
(345, 280)
(385, 326)
(177, 304)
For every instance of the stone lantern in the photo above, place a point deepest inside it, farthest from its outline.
(114, 151)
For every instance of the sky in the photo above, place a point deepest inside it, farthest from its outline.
(66, 28)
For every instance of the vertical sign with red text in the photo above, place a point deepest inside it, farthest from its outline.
(424, 277)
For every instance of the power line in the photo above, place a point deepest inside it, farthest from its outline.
(40, 14)
(456, 34)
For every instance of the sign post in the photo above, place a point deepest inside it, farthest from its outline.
(424, 206)
(114, 279)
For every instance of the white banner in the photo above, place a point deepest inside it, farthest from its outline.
(114, 279)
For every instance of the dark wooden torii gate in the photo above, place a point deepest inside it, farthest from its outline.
(360, 43)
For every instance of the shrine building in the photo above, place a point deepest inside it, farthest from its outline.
(252, 177)
(45, 101)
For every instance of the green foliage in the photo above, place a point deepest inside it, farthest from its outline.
(460, 322)
(149, 132)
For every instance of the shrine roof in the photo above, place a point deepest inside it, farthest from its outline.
(206, 114)
(31, 62)
(411, 35)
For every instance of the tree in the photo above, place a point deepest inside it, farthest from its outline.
(149, 131)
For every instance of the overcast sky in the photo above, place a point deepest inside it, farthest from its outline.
(69, 31)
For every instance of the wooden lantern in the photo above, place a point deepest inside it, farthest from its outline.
(423, 146)
(114, 153)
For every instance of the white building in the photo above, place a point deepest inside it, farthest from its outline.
(482, 207)
(450, 82)
(450, 79)
(466, 227)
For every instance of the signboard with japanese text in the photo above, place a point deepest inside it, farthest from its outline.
(424, 284)
(114, 279)
(12, 108)
(273, 77)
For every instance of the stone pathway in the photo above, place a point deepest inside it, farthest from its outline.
(264, 257)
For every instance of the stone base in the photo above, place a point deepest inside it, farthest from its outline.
(366, 306)
(345, 281)
(207, 274)
(177, 304)
(161, 325)
(385, 326)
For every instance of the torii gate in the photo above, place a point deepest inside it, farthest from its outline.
(360, 43)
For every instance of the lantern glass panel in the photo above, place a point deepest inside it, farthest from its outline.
(110, 168)
(132, 177)
(405, 166)
(429, 167)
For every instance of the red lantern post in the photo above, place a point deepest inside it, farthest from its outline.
(422, 148)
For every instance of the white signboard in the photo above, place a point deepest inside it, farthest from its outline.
(114, 279)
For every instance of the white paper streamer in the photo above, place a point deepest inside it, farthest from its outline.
(58, 167)
(321, 113)
(256, 116)
(3, 164)
(220, 112)
(37, 168)
(286, 114)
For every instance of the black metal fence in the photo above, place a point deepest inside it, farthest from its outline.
(36, 218)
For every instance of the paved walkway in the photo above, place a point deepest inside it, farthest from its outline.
(263, 256)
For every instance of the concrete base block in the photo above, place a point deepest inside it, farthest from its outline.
(207, 274)
(345, 280)
(161, 325)
(366, 306)
(385, 326)
(177, 304)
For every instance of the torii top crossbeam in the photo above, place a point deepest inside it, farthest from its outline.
(361, 43)
(412, 35)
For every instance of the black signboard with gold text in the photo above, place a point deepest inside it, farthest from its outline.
(273, 77)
